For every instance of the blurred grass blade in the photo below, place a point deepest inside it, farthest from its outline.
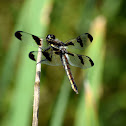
(61, 104)
(87, 109)
(11, 56)
(34, 19)
(87, 14)
(112, 11)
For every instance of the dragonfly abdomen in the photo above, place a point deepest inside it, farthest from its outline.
(68, 72)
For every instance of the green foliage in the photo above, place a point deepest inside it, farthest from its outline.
(101, 98)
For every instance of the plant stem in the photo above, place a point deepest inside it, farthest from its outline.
(37, 89)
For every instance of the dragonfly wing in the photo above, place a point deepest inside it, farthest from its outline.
(48, 57)
(32, 40)
(81, 61)
(81, 42)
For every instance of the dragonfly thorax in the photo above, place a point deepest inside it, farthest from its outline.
(63, 49)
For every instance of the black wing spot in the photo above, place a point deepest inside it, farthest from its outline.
(58, 53)
(79, 40)
(90, 37)
(70, 54)
(46, 54)
(37, 40)
(31, 56)
(69, 43)
(92, 63)
(18, 35)
(81, 59)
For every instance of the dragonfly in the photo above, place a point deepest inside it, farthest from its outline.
(55, 52)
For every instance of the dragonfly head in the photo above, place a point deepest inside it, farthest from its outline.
(50, 37)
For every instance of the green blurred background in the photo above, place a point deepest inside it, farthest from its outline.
(102, 88)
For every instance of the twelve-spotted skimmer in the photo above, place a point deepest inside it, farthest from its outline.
(55, 52)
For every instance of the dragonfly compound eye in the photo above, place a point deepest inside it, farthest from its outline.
(50, 37)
